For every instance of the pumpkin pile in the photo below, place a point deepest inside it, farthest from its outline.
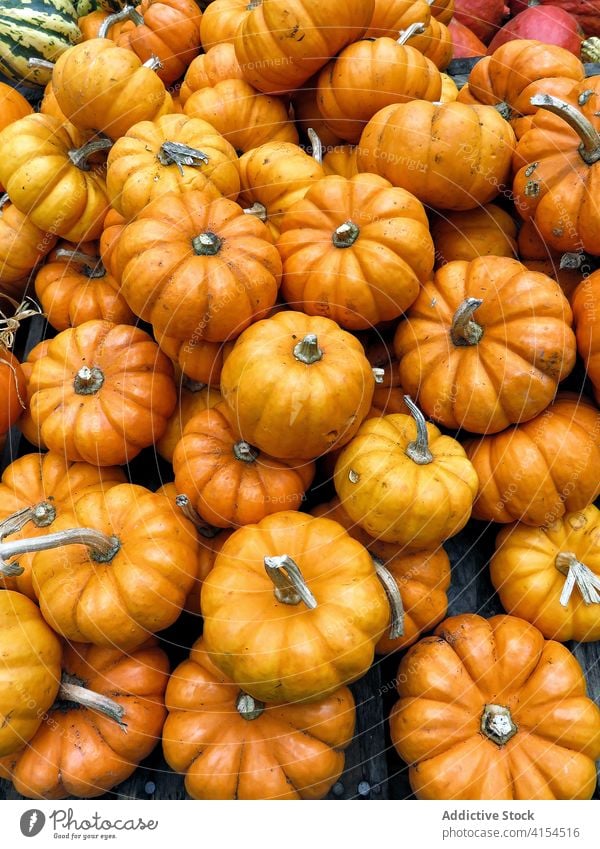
(340, 300)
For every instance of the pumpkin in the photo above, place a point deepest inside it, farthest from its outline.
(355, 250)
(402, 481)
(73, 287)
(86, 7)
(29, 670)
(166, 29)
(232, 746)
(281, 43)
(117, 568)
(555, 167)
(449, 89)
(490, 710)
(199, 360)
(107, 717)
(537, 256)
(466, 157)
(22, 244)
(214, 66)
(486, 231)
(441, 10)
(389, 393)
(244, 117)
(172, 154)
(558, 86)
(101, 393)
(25, 422)
(551, 576)
(37, 29)
(220, 20)
(368, 75)
(587, 327)
(302, 617)
(391, 16)
(228, 481)
(433, 41)
(273, 177)
(44, 166)
(193, 398)
(467, 339)
(465, 44)
(13, 387)
(12, 105)
(537, 471)
(341, 160)
(114, 224)
(297, 385)
(35, 490)
(197, 267)
(100, 86)
(308, 115)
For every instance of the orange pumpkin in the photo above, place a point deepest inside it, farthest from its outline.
(197, 267)
(22, 244)
(199, 360)
(13, 388)
(214, 66)
(489, 710)
(587, 327)
(25, 422)
(101, 393)
(255, 750)
(308, 115)
(12, 107)
(220, 20)
(391, 16)
(434, 41)
(468, 335)
(537, 471)
(487, 230)
(193, 398)
(171, 154)
(108, 716)
(537, 256)
(341, 160)
(355, 250)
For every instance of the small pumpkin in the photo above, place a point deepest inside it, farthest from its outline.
(490, 710)
(13, 385)
(341, 160)
(268, 751)
(25, 423)
(297, 384)
(199, 360)
(220, 20)
(208, 69)
(308, 115)
(193, 398)
(101, 393)
(12, 106)
(433, 41)
(391, 16)
(587, 327)
(22, 244)
(537, 256)
(449, 89)
(404, 482)
(109, 708)
(486, 231)
(468, 335)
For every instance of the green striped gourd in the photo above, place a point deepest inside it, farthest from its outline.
(35, 29)
(86, 7)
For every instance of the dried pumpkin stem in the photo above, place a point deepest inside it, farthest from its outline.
(42, 64)
(206, 244)
(316, 145)
(174, 153)
(464, 331)
(248, 707)
(392, 591)
(245, 452)
(41, 515)
(497, 724)
(418, 451)
(88, 380)
(589, 149)
(92, 264)
(413, 29)
(590, 49)
(290, 586)
(153, 63)
(102, 547)
(127, 13)
(378, 374)
(71, 690)
(4, 199)
(188, 510)
(577, 575)
(258, 209)
(307, 350)
(345, 235)
(80, 155)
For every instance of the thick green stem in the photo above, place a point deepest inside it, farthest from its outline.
(190, 513)
(345, 235)
(206, 244)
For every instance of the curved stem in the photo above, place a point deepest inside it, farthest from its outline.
(174, 153)
(410, 31)
(88, 381)
(418, 451)
(72, 690)
(93, 264)
(290, 586)
(392, 591)
(497, 724)
(206, 244)
(153, 63)
(464, 331)
(4, 199)
(80, 155)
(345, 235)
(589, 149)
(245, 452)
(248, 707)
(186, 507)
(577, 575)
(316, 145)
(41, 515)
(41, 64)
(102, 547)
(258, 209)
(307, 350)
(378, 374)
(126, 13)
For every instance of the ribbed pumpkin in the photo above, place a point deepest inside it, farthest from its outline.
(434, 42)
(308, 115)
(255, 750)
(587, 327)
(537, 256)
(486, 231)
(12, 105)
(199, 360)
(341, 160)
(208, 69)
(193, 398)
(25, 423)
(391, 16)
(220, 20)
(22, 244)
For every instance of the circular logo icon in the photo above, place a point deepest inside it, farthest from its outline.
(32, 822)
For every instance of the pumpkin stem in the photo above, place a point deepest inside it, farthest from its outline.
(126, 13)
(10, 324)
(186, 507)
(307, 350)
(206, 244)
(497, 724)
(79, 156)
(72, 690)
(42, 64)
(102, 547)
(4, 199)
(316, 145)
(290, 586)
(245, 452)
(253, 4)
(258, 209)
(248, 707)
(153, 63)
(345, 235)
(92, 265)
(464, 330)
(590, 49)
(578, 575)
(589, 149)
(88, 380)
(392, 591)
(174, 153)
(413, 29)
(574, 260)
(192, 385)
(418, 451)
(42, 515)
(378, 374)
